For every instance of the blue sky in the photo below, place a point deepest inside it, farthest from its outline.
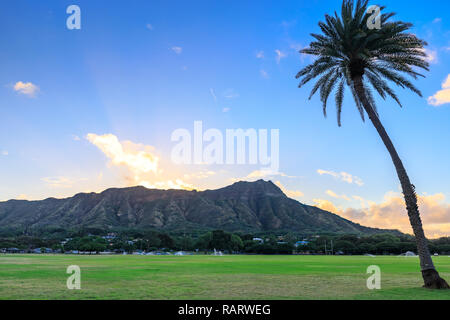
(137, 71)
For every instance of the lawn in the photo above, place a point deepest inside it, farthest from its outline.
(214, 277)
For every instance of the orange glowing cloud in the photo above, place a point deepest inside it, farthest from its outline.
(391, 213)
(442, 96)
(140, 164)
(295, 194)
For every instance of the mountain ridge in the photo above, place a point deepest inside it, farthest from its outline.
(258, 206)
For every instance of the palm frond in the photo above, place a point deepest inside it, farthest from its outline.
(346, 48)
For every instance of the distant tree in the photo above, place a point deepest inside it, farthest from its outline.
(443, 248)
(236, 243)
(166, 241)
(349, 237)
(185, 243)
(203, 242)
(345, 246)
(367, 248)
(152, 240)
(406, 246)
(220, 240)
(387, 247)
(98, 247)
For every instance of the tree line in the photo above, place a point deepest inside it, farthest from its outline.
(231, 243)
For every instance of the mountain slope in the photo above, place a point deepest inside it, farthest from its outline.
(244, 206)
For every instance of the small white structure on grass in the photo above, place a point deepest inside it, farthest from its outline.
(408, 254)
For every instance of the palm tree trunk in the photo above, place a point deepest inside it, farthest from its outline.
(430, 275)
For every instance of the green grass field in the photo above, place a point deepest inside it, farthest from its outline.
(214, 277)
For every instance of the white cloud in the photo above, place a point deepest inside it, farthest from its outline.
(213, 94)
(343, 176)
(280, 55)
(149, 26)
(5, 153)
(437, 20)
(60, 182)
(230, 94)
(264, 74)
(443, 96)
(260, 174)
(432, 56)
(361, 200)
(127, 153)
(296, 46)
(140, 164)
(29, 89)
(260, 55)
(177, 50)
(337, 196)
(200, 175)
(288, 24)
(75, 137)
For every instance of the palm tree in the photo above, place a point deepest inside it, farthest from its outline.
(350, 54)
